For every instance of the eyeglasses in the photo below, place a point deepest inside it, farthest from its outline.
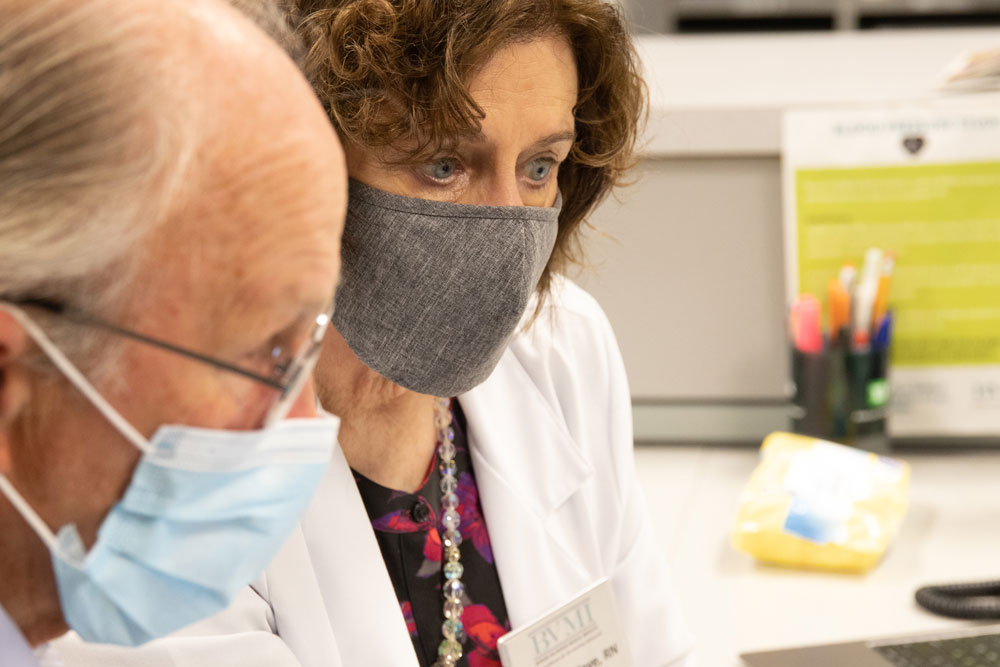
(288, 372)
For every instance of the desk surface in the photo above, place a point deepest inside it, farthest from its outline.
(734, 605)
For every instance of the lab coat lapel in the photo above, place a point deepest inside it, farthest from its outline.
(360, 601)
(527, 467)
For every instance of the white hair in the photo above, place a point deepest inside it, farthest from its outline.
(90, 158)
(274, 18)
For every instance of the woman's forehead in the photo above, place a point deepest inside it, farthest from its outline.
(544, 65)
(526, 90)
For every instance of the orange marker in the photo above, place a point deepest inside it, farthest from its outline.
(839, 303)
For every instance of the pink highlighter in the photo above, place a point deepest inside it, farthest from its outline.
(807, 333)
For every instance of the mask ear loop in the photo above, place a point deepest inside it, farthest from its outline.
(30, 516)
(73, 374)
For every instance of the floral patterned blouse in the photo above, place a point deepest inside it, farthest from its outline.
(406, 526)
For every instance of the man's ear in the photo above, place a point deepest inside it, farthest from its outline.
(13, 382)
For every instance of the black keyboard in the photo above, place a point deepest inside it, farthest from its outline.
(982, 651)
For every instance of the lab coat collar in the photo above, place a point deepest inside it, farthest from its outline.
(360, 601)
(518, 436)
(527, 467)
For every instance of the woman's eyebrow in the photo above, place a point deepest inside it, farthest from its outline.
(567, 135)
(478, 139)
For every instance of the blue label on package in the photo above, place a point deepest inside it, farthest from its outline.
(807, 522)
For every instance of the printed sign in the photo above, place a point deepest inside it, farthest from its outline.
(922, 181)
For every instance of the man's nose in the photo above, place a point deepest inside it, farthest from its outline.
(305, 402)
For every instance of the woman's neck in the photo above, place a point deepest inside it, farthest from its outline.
(386, 432)
(392, 445)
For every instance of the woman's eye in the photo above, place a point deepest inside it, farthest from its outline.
(538, 170)
(441, 170)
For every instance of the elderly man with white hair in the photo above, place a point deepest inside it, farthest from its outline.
(166, 275)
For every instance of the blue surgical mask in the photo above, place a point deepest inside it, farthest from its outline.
(204, 513)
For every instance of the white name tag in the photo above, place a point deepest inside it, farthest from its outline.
(583, 633)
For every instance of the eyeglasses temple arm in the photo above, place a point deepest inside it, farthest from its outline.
(69, 313)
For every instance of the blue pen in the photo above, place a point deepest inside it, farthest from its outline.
(884, 333)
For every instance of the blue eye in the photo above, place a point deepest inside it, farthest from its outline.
(441, 170)
(538, 170)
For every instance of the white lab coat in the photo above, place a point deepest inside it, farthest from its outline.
(550, 435)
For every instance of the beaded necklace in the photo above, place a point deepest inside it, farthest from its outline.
(450, 649)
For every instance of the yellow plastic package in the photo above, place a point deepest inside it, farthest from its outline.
(816, 504)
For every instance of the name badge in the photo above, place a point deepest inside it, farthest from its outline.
(582, 633)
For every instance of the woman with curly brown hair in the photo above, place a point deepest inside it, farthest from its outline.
(479, 135)
(485, 474)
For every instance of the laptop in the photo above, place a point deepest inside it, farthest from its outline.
(977, 646)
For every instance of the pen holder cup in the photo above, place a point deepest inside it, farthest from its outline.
(842, 396)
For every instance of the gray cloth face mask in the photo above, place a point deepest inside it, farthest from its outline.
(431, 292)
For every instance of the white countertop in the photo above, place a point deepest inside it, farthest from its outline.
(725, 94)
(951, 533)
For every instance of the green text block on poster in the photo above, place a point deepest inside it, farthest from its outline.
(942, 222)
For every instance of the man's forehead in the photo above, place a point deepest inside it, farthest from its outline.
(265, 236)
(245, 291)
(263, 209)
(266, 302)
